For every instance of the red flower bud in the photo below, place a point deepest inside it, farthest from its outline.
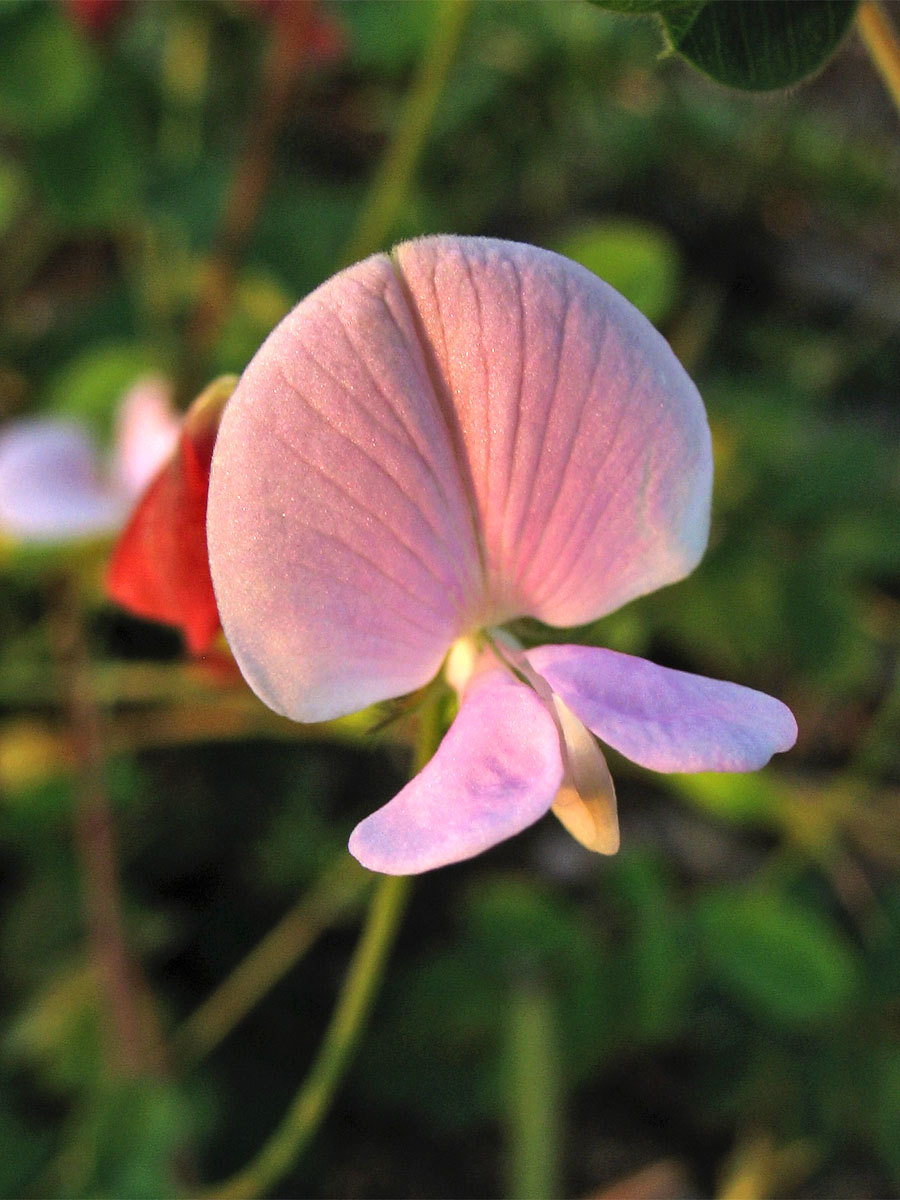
(159, 567)
(95, 17)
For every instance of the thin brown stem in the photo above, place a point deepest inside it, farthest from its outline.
(253, 170)
(133, 1048)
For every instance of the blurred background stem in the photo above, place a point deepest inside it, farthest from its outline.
(760, 1167)
(390, 186)
(534, 1102)
(134, 1048)
(880, 40)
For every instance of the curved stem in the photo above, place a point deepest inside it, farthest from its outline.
(339, 892)
(311, 1103)
(880, 40)
(305, 1114)
(392, 179)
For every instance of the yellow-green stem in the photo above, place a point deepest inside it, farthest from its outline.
(881, 41)
(533, 1095)
(312, 1101)
(390, 185)
(339, 892)
(305, 1114)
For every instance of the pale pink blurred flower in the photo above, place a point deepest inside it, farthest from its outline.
(53, 485)
(428, 446)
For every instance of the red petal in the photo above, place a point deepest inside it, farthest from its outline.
(93, 16)
(160, 567)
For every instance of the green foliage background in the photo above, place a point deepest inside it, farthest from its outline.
(723, 996)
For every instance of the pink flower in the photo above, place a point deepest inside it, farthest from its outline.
(52, 486)
(428, 446)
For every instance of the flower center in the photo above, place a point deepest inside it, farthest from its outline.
(586, 801)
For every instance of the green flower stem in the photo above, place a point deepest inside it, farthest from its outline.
(390, 185)
(312, 1101)
(339, 892)
(533, 1095)
(880, 40)
(305, 1114)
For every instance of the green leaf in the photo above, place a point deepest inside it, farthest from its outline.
(125, 1140)
(782, 961)
(385, 38)
(646, 6)
(654, 962)
(259, 304)
(885, 1105)
(752, 45)
(758, 45)
(638, 259)
(48, 72)
(90, 387)
(517, 930)
(92, 171)
(23, 1148)
(13, 193)
(58, 1033)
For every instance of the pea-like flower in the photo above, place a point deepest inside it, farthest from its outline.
(53, 488)
(433, 444)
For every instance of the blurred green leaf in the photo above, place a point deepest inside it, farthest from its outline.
(48, 72)
(638, 259)
(885, 1107)
(784, 962)
(300, 840)
(642, 7)
(125, 1140)
(23, 1149)
(58, 1033)
(91, 386)
(259, 304)
(517, 929)
(654, 959)
(448, 1017)
(13, 192)
(450, 1008)
(386, 37)
(91, 172)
